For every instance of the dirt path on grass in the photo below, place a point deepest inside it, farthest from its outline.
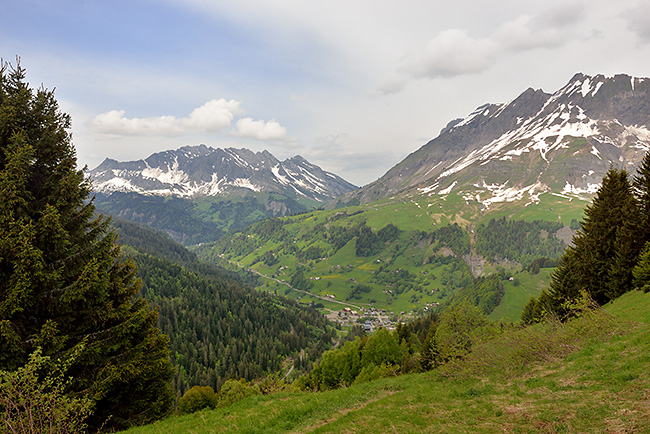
(343, 412)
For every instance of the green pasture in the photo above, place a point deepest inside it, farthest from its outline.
(588, 376)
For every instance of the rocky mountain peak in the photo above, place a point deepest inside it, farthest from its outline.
(559, 143)
(195, 171)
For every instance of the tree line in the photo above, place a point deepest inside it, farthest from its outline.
(609, 252)
(219, 329)
(421, 345)
(519, 240)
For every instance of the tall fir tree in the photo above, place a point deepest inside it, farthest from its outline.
(63, 280)
(641, 185)
(605, 248)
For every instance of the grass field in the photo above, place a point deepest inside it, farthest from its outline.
(588, 376)
(518, 295)
(337, 273)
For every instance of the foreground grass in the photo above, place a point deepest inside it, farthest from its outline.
(590, 376)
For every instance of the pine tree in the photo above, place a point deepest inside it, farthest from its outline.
(605, 248)
(641, 185)
(527, 313)
(63, 281)
(641, 272)
(429, 354)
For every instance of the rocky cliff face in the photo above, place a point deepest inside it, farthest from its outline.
(199, 171)
(561, 143)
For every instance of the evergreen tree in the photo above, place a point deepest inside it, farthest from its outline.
(605, 248)
(429, 354)
(527, 314)
(641, 184)
(63, 281)
(537, 309)
(641, 271)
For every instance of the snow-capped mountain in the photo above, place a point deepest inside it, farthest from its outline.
(199, 171)
(560, 143)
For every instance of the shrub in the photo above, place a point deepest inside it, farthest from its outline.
(32, 404)
(197, 398)
(235, 390)
(373, 372)
(460, 327)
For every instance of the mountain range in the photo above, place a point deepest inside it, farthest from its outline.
(201, 171)
(498, 193)
(537, 147)
(560, 143)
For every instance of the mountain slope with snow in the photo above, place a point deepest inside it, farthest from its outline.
(201, 171)
(560, 143)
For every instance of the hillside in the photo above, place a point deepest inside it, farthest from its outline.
(537, 144)
(219, 328)
(589, 375)
(194, 221)
(493, 193)
(195, 194)
(399, 255)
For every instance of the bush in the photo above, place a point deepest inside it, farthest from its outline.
(235, 390)
(460, 327)
(373, 372)
(197, 398)
(30, 404)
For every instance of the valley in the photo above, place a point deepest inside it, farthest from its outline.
(415, 238)
(339, 256)
(324, 217)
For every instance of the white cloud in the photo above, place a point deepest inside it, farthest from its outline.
(214, 115)
(260, 130)
(521, 34)
(453, 52)
(551, 28)
(393, 84)
(637, 21)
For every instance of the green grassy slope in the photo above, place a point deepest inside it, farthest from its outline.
(332, 272)
(590, 375)
(517, 295)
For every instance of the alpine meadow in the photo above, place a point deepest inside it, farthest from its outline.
(495, 280)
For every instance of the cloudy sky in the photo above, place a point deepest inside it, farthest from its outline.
(353, 86)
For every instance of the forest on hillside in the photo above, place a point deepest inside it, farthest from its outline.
(219, 328)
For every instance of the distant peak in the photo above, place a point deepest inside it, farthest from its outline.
(296, 158)
(199, 171)
(578, 76)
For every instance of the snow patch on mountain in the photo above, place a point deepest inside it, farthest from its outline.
(641, 133)
(196, 171)
(429, 189)
(479, 111)
(542, 134)
(503, 193)
(170, 176)
(245, 183)
(571, 190)
(448, 189)
(120, 184)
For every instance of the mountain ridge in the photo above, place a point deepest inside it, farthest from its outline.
(202, 171)
(558, 143)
